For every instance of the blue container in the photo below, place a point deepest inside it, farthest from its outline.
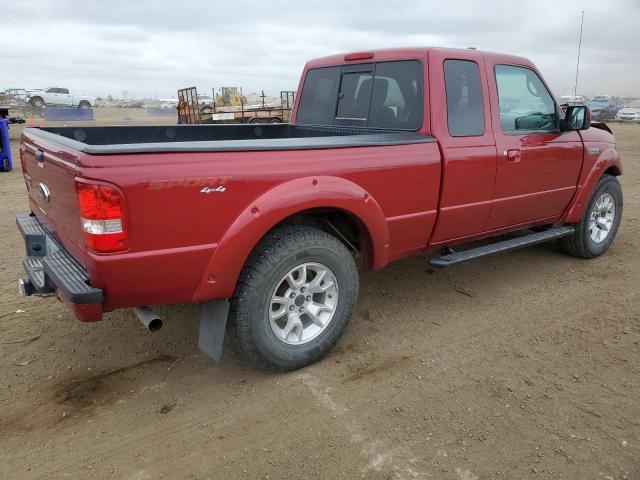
(6, 165)
(68, 113)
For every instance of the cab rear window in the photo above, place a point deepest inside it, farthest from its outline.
(385, 95)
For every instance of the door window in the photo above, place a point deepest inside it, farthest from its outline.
(465, 111)
(525, 103)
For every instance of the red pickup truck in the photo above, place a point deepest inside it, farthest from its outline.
(389, 154)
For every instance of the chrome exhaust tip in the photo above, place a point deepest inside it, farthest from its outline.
(149, 318)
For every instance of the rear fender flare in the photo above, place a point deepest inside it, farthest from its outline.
(607, 159)
(274, 206)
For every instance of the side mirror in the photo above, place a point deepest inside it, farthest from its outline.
(577, 117)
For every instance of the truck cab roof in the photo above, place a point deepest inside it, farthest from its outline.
(418, 53)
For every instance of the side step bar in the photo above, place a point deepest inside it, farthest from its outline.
(504, 246)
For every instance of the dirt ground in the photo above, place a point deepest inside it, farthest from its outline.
(524, 365)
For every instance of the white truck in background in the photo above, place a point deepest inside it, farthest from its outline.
(57, 96)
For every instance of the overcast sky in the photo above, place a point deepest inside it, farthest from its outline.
(153, 47)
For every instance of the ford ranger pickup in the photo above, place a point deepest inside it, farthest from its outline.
(389, 154)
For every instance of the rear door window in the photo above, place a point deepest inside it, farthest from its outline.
(465, 111)
(384, 95)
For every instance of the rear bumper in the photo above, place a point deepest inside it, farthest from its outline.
(52, 270)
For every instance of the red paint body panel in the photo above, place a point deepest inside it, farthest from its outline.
(469, 163)
(600, 155)
(188, 246)
(57, 171)
(542, 178)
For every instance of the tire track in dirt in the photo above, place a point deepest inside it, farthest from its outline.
(381, 457)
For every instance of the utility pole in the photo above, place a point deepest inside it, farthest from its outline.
(575, 87)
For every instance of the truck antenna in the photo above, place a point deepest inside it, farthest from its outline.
(575, 87)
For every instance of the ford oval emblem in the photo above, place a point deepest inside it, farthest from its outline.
(45, 192)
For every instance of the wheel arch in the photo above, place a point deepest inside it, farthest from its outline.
(342, 224)
(613, 170)
(608, 163)
(307, 201)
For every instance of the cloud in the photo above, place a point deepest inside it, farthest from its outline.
(153, 47)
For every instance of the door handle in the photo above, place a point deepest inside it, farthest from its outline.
(513, 155)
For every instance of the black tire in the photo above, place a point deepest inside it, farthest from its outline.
(275, 120)
(84, 104)
(280, 251)
(37, 102)
(580, 244)
(4, 166)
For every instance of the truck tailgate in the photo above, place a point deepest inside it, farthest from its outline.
(50, 172)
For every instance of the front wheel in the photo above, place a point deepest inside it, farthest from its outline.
(294, 298)
(598, 227)
(84, 104)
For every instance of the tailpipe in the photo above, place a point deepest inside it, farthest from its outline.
(149, 318)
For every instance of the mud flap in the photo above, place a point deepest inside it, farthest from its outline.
(213, 321)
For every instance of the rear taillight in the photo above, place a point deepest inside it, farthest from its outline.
(102, 216)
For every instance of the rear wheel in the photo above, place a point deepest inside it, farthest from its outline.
(600, 221)
(294, 298)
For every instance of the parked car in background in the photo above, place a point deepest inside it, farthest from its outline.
(604, 106)
(572, 100)
(630, 113)
(58, 96)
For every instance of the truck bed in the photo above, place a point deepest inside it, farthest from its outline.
(190, 138)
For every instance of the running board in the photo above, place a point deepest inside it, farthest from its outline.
(504, 246)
